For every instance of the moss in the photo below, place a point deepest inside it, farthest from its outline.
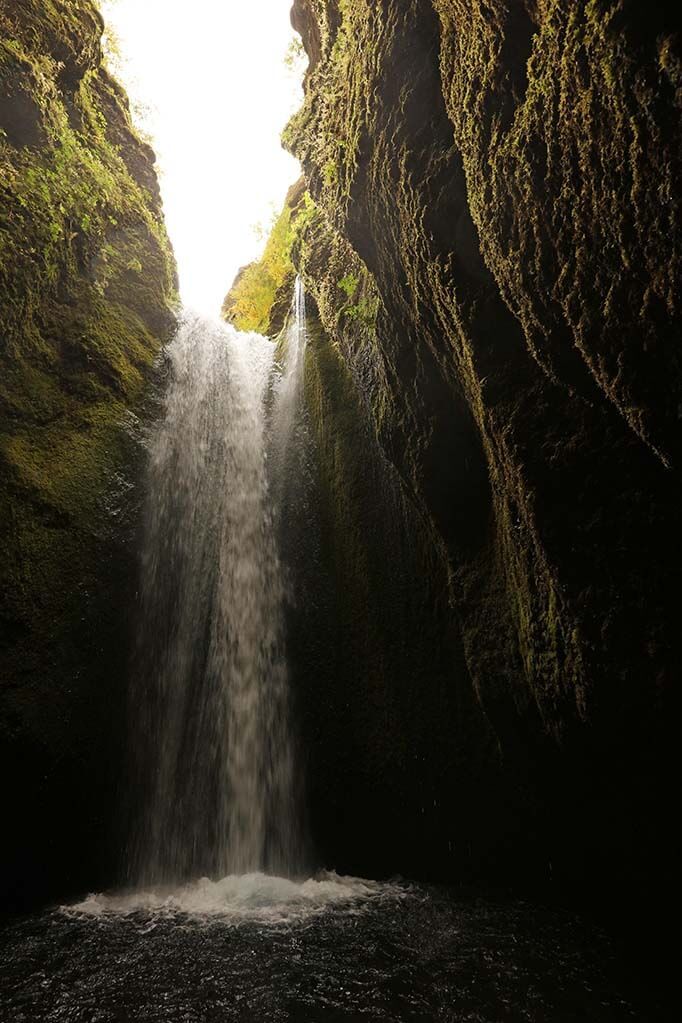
(82, 320)
(249, 303)
(570, 180)
(87, 297)
(385, 700)
(260, 296)
(452, 238)
(498, 179)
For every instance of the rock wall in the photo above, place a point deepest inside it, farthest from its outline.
(490, 237)
(87, 289)
(404, 774)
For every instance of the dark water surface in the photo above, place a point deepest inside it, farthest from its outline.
(259, 949)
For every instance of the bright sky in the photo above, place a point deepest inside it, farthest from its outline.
(217, 92)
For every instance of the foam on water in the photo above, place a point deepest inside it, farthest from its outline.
(242, 898)
(261, 948)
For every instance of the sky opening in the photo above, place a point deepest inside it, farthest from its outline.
(210, 83)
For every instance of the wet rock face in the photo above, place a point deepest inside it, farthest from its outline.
(87, 285)
(494, 248)
(567, 120)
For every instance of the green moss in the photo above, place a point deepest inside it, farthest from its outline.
(87, 297)
(570, 157)
(261, 294)
(249, 304)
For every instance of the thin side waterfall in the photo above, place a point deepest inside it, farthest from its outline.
(213, 747)
(287, 443)
(288, 399)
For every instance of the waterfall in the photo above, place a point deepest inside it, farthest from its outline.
(212, 735)
(288, 399)
(288, 440)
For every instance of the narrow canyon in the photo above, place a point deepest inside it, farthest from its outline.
(379, 575)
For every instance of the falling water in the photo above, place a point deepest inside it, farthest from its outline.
(288, 399)
(213, 743)
(288, 441)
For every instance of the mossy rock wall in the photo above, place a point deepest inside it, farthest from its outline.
(87, 290)
(403, 772)
(492, 243)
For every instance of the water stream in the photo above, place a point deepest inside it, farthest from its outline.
(212, 734)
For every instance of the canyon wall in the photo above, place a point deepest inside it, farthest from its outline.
(488, 232)
(87, 290)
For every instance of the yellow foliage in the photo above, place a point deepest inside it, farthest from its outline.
(250, 301)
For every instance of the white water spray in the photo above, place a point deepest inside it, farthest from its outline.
(214, 746)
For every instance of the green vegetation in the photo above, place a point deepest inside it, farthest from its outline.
(365, 309)
(526, 250)
(295, 56)
(506, 173)
(349, 284)
(261, 294)
(253, 295)
(87, 296)
(569, 146)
